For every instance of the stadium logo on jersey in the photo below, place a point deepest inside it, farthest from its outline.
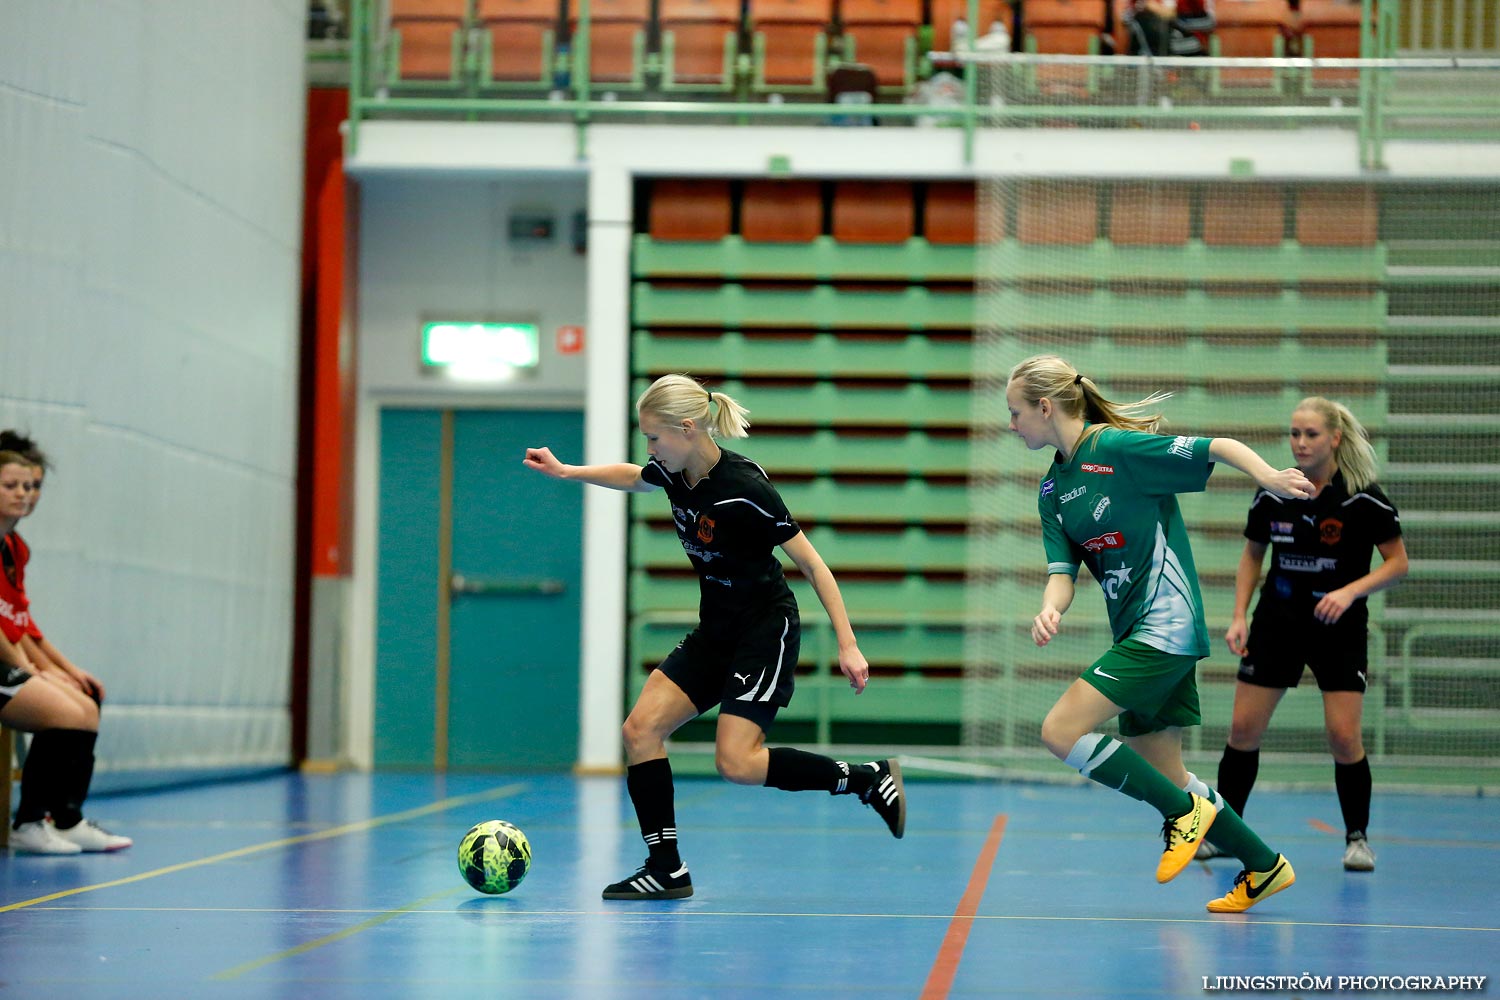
(1331, 531)
(1048, 487)
(1103, 470)
(1108, 540)
(1073, 494)
(1182, 446)
(1101, 507)
(705, 528)
(1283, 527)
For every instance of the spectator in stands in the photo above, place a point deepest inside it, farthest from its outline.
(1170, 27)
(1109, 501)
(1312, 609)
(743, 653)
(65, 723)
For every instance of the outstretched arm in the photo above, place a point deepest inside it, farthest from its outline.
(619, 476)
(1288, 483)
(851, 660)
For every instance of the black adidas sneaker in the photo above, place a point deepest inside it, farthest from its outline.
(887, 795)
(652, 883)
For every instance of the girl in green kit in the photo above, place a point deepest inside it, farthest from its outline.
(1109, 502)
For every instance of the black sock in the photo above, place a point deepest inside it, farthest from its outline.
(794, 770)
(1353, 784)
(70, 753)
(39, 779)
(650, 787)
(1237, 771)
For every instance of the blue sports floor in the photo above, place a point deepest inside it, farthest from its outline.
(346, 886)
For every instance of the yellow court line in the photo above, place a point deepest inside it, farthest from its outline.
(347, 932)
(441, 805)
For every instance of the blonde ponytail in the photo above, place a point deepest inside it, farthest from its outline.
(680, 397)
(1047, 376)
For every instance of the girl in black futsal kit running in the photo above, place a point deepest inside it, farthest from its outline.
(743, 653)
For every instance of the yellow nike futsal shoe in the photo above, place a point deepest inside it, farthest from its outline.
(1252, 887)
(1183, 835)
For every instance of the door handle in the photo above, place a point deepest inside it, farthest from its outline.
(480, 586)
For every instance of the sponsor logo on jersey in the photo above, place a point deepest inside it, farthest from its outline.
(1102, 470)
(1293, 563)
(1108, 540)
(705, 528)
(1049, 486)
(1330, 531)
(1285, 539)
(1182, 446)
(1101, 507)
(1114, 579)
(1073, 494)
(1283, 527)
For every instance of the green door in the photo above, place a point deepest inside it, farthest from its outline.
(479, 592)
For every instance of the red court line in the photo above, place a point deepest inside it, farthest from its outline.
(1318, 824)
(945, 966)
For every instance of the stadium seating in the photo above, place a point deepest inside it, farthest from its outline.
(1330, 29)
(700, 44)
(427, 41)
(1250, 29)
(518, 41)
(1064, 27)
(1337, 216)
(882, 34)
(781, 211)
(1149, 215)
(617, 42)
(873, 212)
(790, 44)
(697, 210)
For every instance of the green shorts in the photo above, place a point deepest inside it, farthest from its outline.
(1157, 690)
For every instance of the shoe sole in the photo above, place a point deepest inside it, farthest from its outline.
(1170, 875)
(900, 800)
(681, 893)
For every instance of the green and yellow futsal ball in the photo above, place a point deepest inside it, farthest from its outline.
(494, 856)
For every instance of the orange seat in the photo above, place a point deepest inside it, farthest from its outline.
(951, 213)
(781, 211)
(430, 33)
(945, 12)
(700, 32)
(1250, 29)
(1330, 30)
(790, 36)
(1248, 215)
(617, 28)
(1071, 27)
(522, 36)
(1147, 214)
(1337, 216)
(873, 212)
(690, 210)
(1065, 212)
(883, 33)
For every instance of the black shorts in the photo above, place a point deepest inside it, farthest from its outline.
(748, 670)
(1278, 650)
(11, 679)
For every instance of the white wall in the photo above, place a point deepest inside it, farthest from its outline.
(150, 187)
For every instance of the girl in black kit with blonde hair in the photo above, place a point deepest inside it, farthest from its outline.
(1312, 610)
(743, 653)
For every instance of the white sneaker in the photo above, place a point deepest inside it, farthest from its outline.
(41, 837)
(1207, 852)
(90, 836)
(1358, 857)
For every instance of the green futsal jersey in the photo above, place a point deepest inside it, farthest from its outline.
(1112, 506)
